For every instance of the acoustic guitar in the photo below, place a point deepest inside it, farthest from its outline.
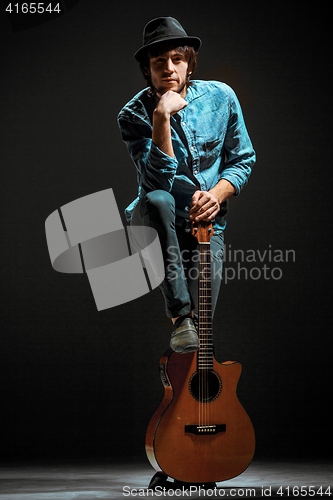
(200, 433)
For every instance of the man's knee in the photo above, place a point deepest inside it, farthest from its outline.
(160, 202)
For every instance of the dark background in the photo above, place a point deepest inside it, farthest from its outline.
(78, 383)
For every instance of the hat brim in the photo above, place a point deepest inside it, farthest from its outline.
(192, 41)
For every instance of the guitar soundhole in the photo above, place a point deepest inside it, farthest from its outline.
(205, 386)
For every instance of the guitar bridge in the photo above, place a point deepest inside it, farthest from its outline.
(200, 430)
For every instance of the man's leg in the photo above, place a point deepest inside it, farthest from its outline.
(157, 210)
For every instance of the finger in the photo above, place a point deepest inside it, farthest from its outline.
(199, 195)
(206, 212)
(195, 198)
(202, 203)
(207, 215)
(213, 214)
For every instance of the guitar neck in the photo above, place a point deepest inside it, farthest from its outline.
(205, 354)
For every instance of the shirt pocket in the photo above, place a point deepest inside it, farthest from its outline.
(211, 149)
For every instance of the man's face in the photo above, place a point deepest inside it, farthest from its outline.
(168, 71)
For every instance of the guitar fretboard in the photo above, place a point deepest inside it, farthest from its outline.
(205, 354)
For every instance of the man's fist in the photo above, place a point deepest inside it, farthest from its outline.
(170, 103)
(204, 206)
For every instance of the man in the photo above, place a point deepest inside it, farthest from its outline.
(192, 152)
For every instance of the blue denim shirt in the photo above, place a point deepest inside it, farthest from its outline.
(209, 139)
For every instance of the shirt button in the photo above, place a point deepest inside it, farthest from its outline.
(183, 124)
(192, 147)
(195, 171)
(187, 209)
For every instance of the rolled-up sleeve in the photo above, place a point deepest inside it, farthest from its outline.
(239, 153)
(155, 169)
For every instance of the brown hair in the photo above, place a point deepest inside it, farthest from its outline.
(160, 48)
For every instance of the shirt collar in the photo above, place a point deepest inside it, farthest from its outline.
(194, 91)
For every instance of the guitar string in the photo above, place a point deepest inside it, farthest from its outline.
(203, 329)
(205, 337)
(206, 331)
(200, 330)
(208, 324)
(202, 374)
(205, 352)
(204, 355)
(201, 364)
(205, 317)
(199, 352)
(201, 339)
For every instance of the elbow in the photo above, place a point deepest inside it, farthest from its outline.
(152, 183)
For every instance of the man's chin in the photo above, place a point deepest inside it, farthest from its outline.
(175, 87)
(171, 86)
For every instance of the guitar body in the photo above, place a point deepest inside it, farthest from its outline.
(199, 438)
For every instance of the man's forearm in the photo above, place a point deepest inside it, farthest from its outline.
(161, 135)
(223, 190)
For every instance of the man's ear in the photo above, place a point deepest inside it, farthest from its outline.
(146, 71)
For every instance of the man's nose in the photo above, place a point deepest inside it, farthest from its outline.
(169, 66)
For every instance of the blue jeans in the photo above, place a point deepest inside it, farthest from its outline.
(180, 252)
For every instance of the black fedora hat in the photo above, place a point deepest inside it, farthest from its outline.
(163, 29)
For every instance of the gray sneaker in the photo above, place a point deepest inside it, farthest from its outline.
(184, 337)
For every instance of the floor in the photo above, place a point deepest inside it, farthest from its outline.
(106, 481)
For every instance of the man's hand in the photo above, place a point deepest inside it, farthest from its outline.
(204, 206)
(170, 103)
